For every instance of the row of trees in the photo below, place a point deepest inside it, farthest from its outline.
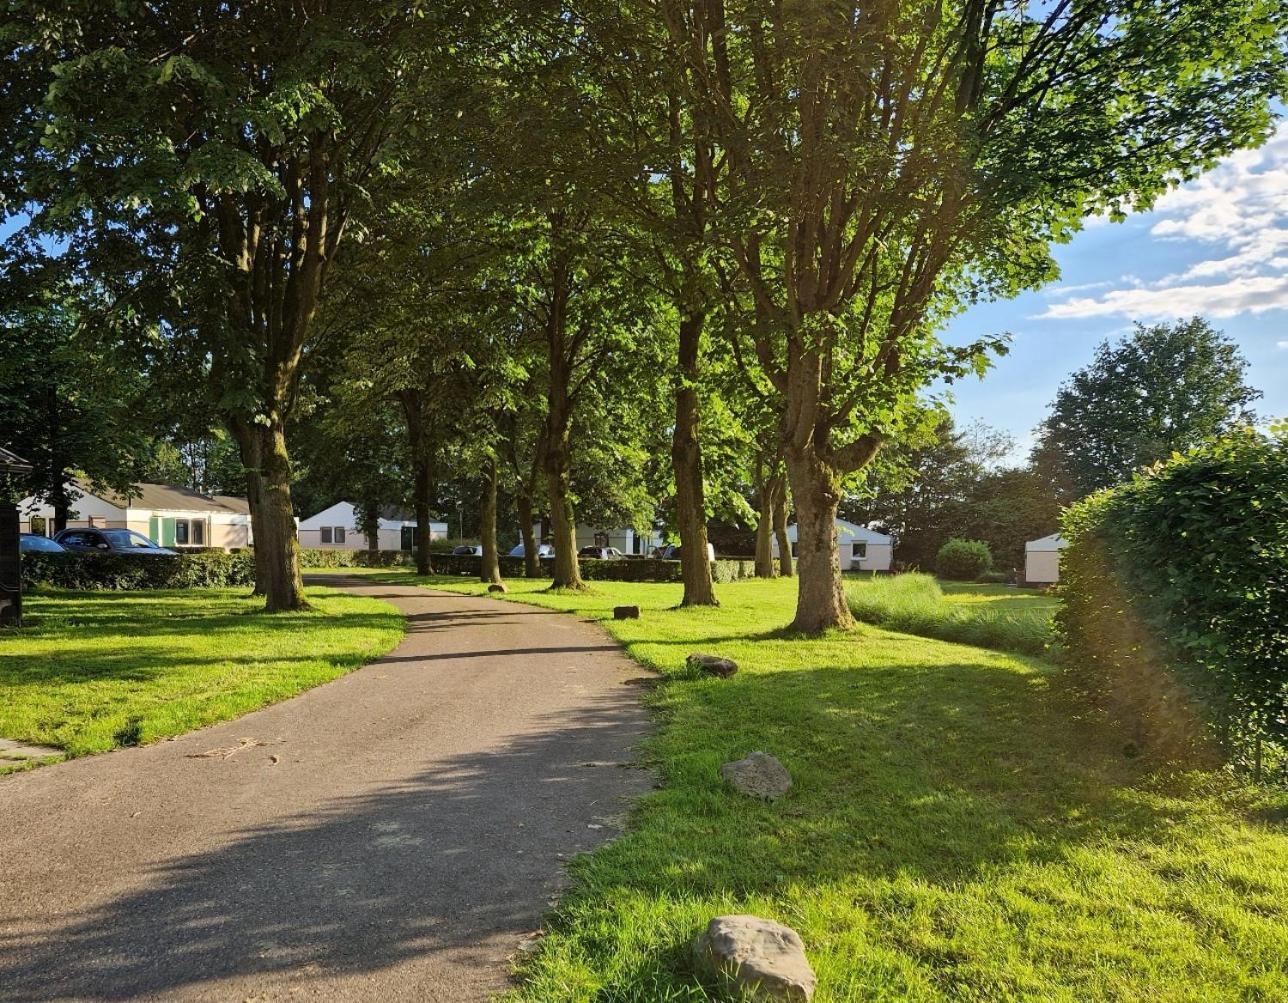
(542, 234)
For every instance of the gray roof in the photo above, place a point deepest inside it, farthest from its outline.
(12, 463)
(168, 496)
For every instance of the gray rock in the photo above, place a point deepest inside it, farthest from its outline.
(497, 587)
(760, 775)
(626, 612)
(712, 665)
(762, 959)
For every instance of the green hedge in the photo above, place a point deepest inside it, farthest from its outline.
(319, 558)
(642, 569)
(1175, 591)
(90, 572)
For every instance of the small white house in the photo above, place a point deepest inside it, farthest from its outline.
(625, 539)
(337, 528)
(170, 515)
(858, 548)
(1042, 559)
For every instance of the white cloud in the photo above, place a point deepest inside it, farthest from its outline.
(1237, 214)
(1281, 344)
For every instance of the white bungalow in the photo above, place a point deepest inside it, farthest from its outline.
(624, 538)
(1042, 559)
(337, 528)
(170, 515)
(858, 548)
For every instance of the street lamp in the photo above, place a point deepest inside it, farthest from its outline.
(10, 555)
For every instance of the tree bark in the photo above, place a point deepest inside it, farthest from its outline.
(764, 524)
(371, 523)
(491, 566)
(284, 589)
(778, 495)
(531, 546)
(248, 448)
(686, 461)
(820, 597)
(421, 447)
(563, 525)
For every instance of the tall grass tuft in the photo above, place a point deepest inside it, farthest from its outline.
(915, 604)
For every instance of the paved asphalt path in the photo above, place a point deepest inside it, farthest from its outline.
(395, 838)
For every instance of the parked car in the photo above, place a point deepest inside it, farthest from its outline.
(468, 550)
(34, 543)
(671, 552)
(114, 541)
(602, 553)
(543, 550)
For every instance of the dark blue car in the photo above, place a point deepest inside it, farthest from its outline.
(34, 543)
(108, 541)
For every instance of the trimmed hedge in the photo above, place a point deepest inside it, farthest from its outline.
(630, 569)
(319, 558)
(1175, 589)
(91, 572)
(963, 560)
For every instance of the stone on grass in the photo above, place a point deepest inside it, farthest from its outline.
(712, 665)
(760, 775)
(496, 587)
(763, 960)
(626, 612)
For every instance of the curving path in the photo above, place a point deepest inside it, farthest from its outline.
(395, 837)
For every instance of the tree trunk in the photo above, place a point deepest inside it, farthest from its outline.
(421, 448)
(686, 460)
(284, 590)
(764, 525)
(491, 569)
(778, 494)
(563, 525)
(248, 448)
(531, 545)
(820, 597)
(371, 523)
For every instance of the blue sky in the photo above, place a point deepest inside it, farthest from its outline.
(1216, 247)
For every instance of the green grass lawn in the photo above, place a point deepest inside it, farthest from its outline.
(94, 670)
(959, 829)
(988, 616)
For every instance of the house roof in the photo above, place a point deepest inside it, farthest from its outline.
(12, 463)
(1047, 544)
(851, 531)
(395, 513)
(168, 496)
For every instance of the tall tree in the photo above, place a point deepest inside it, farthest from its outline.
(885, 164)
(1161, 390)
(233, 142)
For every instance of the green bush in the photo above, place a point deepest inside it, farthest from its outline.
(1175, 590)
(97, 572)
(914, 604)
(320, 558)
(993, 578)
(963, 560)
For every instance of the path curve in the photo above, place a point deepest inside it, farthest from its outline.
(396, 837)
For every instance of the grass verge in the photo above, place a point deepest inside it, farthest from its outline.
(958, 830)
(95, 670)
(986, 616)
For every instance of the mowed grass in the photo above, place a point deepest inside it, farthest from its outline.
(988, 616)
(958, 829)
(95, 670)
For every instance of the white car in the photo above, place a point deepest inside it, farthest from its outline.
(543, 550)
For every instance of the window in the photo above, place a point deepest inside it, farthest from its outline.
(127, 539)
(326, 534)
(181, 531)
(859, 551)
(199, 534)
(339, 534)
(794, 550)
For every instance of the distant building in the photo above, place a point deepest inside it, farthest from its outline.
(1042, 559)
(337, 528)
(170, 515)
(858, 548)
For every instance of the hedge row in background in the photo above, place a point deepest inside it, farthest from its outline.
(1175, 591)
(86, 572)
(630, 569)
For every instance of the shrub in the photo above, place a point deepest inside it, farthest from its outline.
(914, 604)
(963, 560)
(631, 569)
(993, 578)
(87, 572)
(320, 558)
(1175, 590)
